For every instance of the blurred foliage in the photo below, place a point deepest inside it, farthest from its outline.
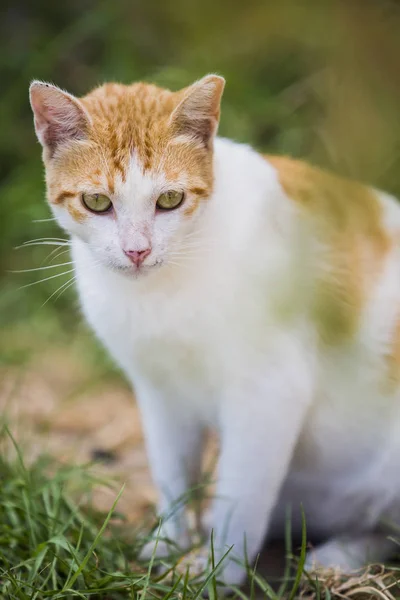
(315, 79)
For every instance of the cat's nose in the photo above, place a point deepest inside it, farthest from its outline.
(137, 256)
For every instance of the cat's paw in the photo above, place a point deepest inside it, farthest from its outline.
(164, 545)
(334, 556)
(198, 562)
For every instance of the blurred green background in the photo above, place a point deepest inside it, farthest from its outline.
(318, 80)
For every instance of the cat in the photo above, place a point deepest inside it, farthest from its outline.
(258, 296)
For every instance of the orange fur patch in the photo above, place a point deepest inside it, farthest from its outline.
(199, 195)
(392, 359)
(199, 191)
(59, 199)
(78, 215)
(347, 220)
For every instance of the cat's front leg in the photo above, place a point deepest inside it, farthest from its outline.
(261, 418)
(174, 443)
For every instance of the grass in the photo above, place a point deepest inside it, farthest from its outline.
(53, 546)
(49, 546)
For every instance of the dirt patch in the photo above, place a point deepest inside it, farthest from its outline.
(54, 406)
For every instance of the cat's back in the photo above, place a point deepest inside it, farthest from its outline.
(356, 262)
(339, 205)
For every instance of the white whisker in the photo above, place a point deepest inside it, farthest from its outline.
(42, 268)
(173, 263)
(29, 244)
(46, 239)
(45, 279)
(201, 242)
(200, 250)
(54, 251)
(57, 255)
(43, 220)
(189, 253)
(71, 283)
(62, 287)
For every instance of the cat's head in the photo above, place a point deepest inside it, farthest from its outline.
(129, 169)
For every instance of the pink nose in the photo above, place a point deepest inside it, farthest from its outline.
(137, 256)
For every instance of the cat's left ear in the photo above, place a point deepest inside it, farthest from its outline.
(197, 115)
(59, 116)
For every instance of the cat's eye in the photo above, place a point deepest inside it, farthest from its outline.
(170, 200)
(97, 203)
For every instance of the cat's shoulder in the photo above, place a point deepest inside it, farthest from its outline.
(318, 189)
(342, 203)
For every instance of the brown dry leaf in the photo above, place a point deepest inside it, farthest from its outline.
(372, 582)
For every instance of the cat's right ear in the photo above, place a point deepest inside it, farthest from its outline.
(59, 116)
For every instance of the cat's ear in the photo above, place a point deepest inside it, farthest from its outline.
(197, 115)
(59, 116)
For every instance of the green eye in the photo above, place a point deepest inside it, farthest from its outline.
(170, 200)
(97, 203)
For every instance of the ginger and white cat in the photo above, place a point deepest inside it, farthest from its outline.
(258, 296)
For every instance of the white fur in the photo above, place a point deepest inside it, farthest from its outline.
(218, 337)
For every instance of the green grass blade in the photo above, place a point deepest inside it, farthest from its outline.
(302, 558)
(89, 553)
(211, 575)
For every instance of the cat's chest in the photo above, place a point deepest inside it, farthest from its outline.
(167, 338)
(170, 334)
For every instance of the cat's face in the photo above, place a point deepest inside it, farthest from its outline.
(129, 168)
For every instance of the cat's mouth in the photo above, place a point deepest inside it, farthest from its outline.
(136, 272)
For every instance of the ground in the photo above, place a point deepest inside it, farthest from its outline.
(54, 406)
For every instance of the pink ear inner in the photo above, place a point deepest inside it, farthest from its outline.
(58, 116)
